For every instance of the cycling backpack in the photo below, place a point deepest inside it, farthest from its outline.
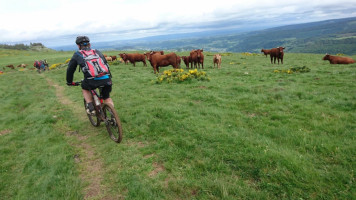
(94, 64)
(37, 64)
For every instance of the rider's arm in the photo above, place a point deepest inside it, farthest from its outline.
(72, 66)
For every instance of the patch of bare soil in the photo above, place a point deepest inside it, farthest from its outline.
(6, 131)
(157, 168)
(91, 165)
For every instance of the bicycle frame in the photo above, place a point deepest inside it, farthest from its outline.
(98, 106)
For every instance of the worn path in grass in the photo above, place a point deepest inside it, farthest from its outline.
(91, 166)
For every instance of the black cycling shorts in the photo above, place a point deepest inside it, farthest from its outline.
(90, 84)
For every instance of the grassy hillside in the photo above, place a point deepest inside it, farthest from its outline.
(331, 36)
(254, 131)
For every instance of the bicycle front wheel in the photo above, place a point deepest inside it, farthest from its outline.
(94, 119)
(113, 123)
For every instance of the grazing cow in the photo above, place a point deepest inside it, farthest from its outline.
(10, 66)
(135, 57)
(197, 57)
(113, 58)
(186, 60)
(22, 65)
(277, 53)
(266, 51)
(338, 59)
(217, 60)
(157, 60)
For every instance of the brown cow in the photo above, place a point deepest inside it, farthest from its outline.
(108, 58)
(217, 60)
(10, 66)
(338, 59)
(186, 60)
(161, 52)
(113, 58)
(277, 53)
(158, 60)
(124, 58)
(266, 51)
(197, 57)
(135, 57)
(148, 54)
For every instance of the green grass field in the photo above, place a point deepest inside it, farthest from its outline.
(248, 133)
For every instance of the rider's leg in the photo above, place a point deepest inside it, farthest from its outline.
(109, 101)
(87, 96)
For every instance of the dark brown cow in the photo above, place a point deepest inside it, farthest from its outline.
(158, 60)
(266, 51)
(338, 59)
(186, 60)
(113, 58)
(277, 53)
(135, 57)
(10, 66)
(197, 57)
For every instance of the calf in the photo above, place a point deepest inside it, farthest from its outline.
(217, 60)
(157, 60)
(266, 51)
(186, 60)
(113, 58)
(338, 59)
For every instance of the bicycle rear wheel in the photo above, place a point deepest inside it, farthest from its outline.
(113, 123)
(94, 120)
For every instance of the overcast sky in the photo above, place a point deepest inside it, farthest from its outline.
(37, 20)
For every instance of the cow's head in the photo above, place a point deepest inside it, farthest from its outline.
(148, 55)
(326, 57)
(281, 49)
(199, 52)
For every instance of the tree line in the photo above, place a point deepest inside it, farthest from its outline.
(21, 46)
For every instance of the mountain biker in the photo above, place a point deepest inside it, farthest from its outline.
(89, 81)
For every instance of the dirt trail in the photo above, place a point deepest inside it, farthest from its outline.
(90, 164)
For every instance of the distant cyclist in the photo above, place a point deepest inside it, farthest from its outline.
(95, 69)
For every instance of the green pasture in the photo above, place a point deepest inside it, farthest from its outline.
(248, 133)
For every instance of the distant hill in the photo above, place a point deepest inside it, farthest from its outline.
(31, 47)
(330, 36)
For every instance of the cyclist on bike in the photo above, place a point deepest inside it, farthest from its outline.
(89, 81)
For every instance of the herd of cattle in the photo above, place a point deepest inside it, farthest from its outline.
(158, 59)
(195, 59)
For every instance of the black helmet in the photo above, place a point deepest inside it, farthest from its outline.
(82, 39)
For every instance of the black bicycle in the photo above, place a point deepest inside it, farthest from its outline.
(104, 113)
